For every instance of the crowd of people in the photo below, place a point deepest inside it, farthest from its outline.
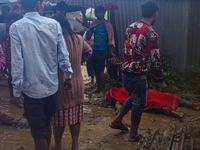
(42, 53)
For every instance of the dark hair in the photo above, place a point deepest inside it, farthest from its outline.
(47, 9)
(13, 16)
(100, 9)
(5, 8)
(65, 26)
(61, 5)
(29, 4)
(149, 8)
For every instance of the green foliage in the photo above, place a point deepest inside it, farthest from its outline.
(175, 83)
(194, 82)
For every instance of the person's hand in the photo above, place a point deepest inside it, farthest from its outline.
(16, 101)
(163, 86)
(67, 84)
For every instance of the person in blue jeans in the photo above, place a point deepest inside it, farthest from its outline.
(140, 46)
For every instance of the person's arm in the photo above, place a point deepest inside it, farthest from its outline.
(154, 53)
(89, 34)
(63, 59)
(85, 22)
(87, 51)
(111, 51)
(17, 64)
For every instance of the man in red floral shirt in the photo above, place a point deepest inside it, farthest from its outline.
(140, 52)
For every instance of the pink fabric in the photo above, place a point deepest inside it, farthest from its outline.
(2, 56)
(155, 99)
(109, 29)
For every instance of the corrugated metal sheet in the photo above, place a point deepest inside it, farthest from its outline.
(177, 21)
(193, 47)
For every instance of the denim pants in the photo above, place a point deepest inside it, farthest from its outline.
(137, 88)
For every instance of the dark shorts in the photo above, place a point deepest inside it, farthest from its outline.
(39, 112)
(98, 59)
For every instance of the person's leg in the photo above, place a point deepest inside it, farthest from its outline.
(50, 108)
(41, 144)
(90, 70)
(75, 130)
(101, 84)
(34, 112)
(48, 138)
(58, 132)
(139, 97)
(189, 104)
(122, 111)
(178, 115)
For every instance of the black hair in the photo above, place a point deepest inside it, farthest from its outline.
(149, 8)
(29, 4)
(5, 8)
(65, 26)
(13, 16)
(100, 9)
(61, 5)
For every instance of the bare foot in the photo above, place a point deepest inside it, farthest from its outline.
(181, 117)
(197, 108)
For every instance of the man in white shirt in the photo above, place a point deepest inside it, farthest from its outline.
(37, 46)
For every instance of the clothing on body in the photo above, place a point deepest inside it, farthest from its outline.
(97, 60)
(3, 32)
(141, 50)
(39, 113)
(100, 37)
(2, 18)
(78, 53)
(109, 29)
(37, 45)
(2, 57)
(70, 102)
(137, 89)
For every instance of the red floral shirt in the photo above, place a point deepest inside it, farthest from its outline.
(141, 50)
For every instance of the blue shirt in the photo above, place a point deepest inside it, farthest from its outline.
(37, 46)
(2, 32)
(100, 37)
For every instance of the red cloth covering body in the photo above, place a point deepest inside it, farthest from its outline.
(155, 99)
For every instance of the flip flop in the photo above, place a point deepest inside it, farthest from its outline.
(137, 138)
(5, 119)
(120, 127)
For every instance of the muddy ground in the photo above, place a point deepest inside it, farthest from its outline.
(95, 133)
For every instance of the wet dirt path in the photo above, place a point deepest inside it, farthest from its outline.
(95, 133)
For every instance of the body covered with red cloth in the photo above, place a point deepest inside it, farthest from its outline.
(155, 99)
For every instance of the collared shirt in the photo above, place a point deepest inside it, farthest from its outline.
(37, 46)
(141, 50)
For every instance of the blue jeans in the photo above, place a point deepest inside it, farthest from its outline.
(137, 88)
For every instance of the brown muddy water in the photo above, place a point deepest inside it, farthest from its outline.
(95, 131)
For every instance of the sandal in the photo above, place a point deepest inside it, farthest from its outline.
(120, 127)
(137, 138)
(5, 119)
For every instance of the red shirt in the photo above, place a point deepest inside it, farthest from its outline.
(141, 50)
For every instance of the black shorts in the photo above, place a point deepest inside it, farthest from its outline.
(39, 112)
(98, 59)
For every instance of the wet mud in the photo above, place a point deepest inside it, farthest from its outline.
(95, 131)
